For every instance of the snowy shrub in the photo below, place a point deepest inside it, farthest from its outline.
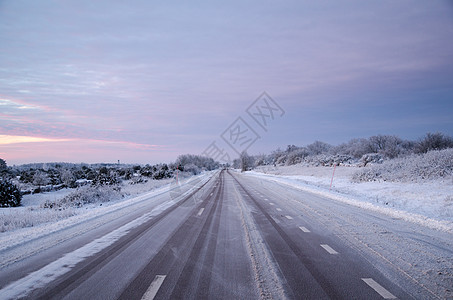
(192, 168)
(10, 195)
(374, 158)
(138, 179)
(162, 171)
(202, 162)
(280, 160)
(86, 195)
(324, 160)
(260, 160)
(106, 177)
(30, 217)
(296, 156)
(415, 167)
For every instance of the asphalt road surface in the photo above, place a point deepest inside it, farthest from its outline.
(234, 237)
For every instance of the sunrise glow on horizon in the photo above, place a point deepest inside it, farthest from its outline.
(84, 81)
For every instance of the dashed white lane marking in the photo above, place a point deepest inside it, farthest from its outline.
(304, 229)
(154, 287)
(379, 288)
(201, 211)
(271, 203)
(289, 217)
(266, 199)
(279, 209)
(329, 249)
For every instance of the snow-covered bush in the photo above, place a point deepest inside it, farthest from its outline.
(86, 195)
(31, 216)
(325, 160)
(202, 162)
(296, 156)
(106, 177)
(374, 158)
(192, 168)
(10, 195)
(415, 167)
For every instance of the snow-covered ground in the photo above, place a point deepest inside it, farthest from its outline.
(32, 218)
(429, 203)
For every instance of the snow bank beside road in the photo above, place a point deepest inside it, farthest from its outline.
(428, 203)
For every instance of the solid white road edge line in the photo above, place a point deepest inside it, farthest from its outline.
(200, 212)
(304, 229)
(379, 288)
(154, 287)
(289, 217)
(329, 249)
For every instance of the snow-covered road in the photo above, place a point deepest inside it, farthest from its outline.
(233, 236)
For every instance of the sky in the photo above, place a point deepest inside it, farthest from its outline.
(146, 81)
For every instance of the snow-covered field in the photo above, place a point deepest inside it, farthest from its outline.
(425, 202)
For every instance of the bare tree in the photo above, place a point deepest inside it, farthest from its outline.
(388, 145)
(433, 141)
(318, 147)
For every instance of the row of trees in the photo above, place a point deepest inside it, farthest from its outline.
(373, 149)
(34, 178)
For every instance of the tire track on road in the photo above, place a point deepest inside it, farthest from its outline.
(308, 264)
(172, 258)
(67, 283)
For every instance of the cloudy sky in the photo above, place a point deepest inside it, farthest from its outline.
(145, 81)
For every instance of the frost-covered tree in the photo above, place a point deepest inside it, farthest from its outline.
(247, 161)
(4, 172)
(389, 146)
(3, 165)
(261, 160)
(433, 141)
(191, 168)
(318, 147)
(68, 178)
(106, 177)
(296, 156)
(40, 178)
(202, 162)
(10, 195)
(355, 147)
